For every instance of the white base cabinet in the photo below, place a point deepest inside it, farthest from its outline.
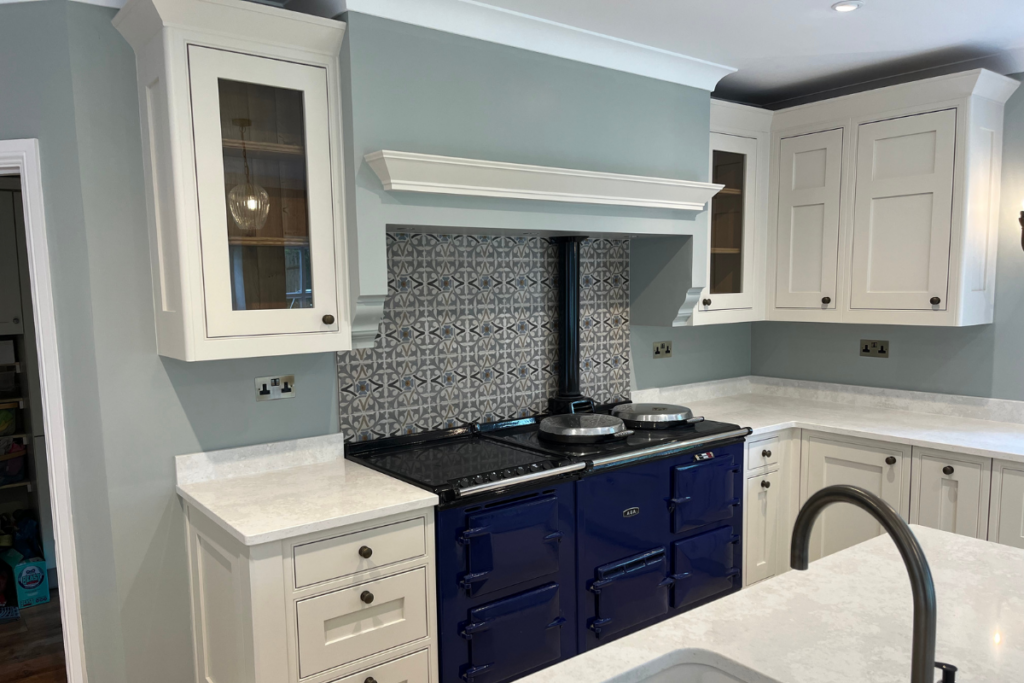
(772, 467)
(951, 492)
(348, 604)
(1006, 520)
(878, 467)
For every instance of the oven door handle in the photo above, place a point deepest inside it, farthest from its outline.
(467, 536)
(474, 671)
(467, 580)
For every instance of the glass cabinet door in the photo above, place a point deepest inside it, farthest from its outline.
(730, 265)
(263, 172)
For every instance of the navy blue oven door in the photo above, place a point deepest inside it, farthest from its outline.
(706, 490)
(705, 566)
(490, 555)
(630, 592)
(513, 635)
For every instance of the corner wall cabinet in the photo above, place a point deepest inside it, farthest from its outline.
(885, 204)
(241, 124)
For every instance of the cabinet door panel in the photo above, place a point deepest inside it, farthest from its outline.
(263, 174)
(951, 492)
(760, 528)
(731, 259)
(1007, 524)
(902, 212)
(807, 252)
(829, 461)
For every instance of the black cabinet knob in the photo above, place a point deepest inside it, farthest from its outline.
(328, 319)
(765, 484)
(936, 301)
(366, 596)
(891, 460)
(370, 679)
(706, 302)
(766, 453)
(366, 552)
(947, 470)
(826, 300)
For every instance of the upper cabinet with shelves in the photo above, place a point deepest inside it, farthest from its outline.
(241, 124)
(885, 204)
(735, 267)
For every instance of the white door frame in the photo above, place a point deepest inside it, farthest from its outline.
(21, 157)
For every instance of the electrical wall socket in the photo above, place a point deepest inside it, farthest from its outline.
(663, 349)
(875, 348)
(273, 388)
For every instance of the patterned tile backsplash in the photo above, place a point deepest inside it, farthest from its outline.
(470, 333)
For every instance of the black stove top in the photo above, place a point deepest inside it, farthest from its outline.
(472, 460)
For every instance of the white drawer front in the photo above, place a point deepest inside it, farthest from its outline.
(340, 556)
(341, 627)
(414, 668)
(763, 453)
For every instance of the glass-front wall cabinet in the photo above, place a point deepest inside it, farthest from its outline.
(730, 266)
(265, 194)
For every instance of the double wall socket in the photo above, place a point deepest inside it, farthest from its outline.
(663, 349)
(273, 388)
(874, 348)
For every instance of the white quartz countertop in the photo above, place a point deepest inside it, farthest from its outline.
(283, 503)
(768, 413)
(848, 618)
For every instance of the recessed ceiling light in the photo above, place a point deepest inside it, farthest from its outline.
(847, 5)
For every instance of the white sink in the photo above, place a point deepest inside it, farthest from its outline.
(694, 666)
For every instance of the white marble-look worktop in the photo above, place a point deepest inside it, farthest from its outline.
(768, 405)
(269, 492)
(848, 618)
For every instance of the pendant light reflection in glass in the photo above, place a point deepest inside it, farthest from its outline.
(248, 202)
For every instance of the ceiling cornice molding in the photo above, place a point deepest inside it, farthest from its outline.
(497, 25)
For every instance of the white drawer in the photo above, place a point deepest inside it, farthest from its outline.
(765, 452)
(414, 668)
(340, 627)
(340, 556)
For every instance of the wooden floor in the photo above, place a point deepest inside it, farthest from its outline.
(32, 648)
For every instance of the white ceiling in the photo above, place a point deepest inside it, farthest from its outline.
(785, 50)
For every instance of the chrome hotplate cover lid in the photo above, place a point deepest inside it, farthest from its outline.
(582, 425)
(652, 412)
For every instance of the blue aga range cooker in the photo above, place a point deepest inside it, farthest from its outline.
(548, 549)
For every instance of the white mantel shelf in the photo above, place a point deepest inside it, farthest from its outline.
(411, 172)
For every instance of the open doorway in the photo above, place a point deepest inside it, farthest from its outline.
(40, 614)
(31, 640)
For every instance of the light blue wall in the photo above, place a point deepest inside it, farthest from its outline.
(987, 360)
(418, 90)
(68, 78)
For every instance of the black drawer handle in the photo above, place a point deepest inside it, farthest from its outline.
(366, 596)
(328, 319)
(365, 552)
(765, 484)
(947, 470)
(891, 460)
(826, 300)
(706, 302)
(935, 301)
(370, 679)
(766, 454)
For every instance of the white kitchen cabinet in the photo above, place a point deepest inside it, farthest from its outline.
(349, 604)
(901, 222)
(739, 157)
(10, 278)
(883, 469)
(950, 491)
(761, 527)
(885, 204)
(1006, 518)
(810, 173)
(241, 122)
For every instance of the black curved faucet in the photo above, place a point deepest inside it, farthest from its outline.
(925, 615)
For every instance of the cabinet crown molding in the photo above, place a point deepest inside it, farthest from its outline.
(430, 173)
